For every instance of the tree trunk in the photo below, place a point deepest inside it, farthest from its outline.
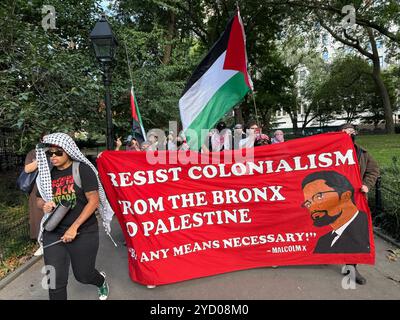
(385, 97)
(376, 74)
(266, 125)
(170, 37)
(293, 118)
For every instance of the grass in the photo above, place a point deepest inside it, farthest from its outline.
(17, 258)
(385, 149)
(381, 147)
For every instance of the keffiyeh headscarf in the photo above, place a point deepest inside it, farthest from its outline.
(43, 180)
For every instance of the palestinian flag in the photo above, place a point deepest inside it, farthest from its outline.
(217, 85)
(137, 124)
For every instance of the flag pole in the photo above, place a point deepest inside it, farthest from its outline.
(255, 108)
(129, 64)
(252, 93)
(132, 92)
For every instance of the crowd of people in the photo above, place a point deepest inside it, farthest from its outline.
(218, 139)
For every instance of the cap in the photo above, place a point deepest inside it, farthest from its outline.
(238, 126)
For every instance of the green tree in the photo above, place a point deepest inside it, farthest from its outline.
(372, 19)
(48, 78)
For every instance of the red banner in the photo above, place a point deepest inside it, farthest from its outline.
(187, 215)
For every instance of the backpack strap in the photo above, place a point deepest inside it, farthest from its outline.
(75, 173)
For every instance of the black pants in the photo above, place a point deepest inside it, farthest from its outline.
(80, 253)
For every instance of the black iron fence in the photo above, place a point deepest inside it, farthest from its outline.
(14, 233)
(9, 159)
(385, 208)
(14, 217)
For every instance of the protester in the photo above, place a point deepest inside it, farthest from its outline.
(369, 171)
(262, 140)
(252, 132)
(278, 137)
(218, 139)
(238, 134)
(171, 142)
(78, 230)
(153, 140)
(369, 168)
(132, 145)
(146, 146)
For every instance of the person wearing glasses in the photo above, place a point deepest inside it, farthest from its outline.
(79, 229)
(329, 198)
(253, 132)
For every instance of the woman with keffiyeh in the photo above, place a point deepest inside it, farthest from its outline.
(78, 230)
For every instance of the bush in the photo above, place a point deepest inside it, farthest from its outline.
(15, 244)
(14, 220)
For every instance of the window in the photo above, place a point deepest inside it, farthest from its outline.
(379, 44)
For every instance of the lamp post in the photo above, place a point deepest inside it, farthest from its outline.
(105, 44)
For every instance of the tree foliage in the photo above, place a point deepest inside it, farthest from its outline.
(50, 80)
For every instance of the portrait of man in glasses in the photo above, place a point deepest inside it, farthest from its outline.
(329, 198)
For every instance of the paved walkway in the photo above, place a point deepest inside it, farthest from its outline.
(294, 282)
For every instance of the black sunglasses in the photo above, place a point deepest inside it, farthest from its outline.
(58, 153)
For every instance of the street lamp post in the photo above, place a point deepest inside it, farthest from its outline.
(104, 44)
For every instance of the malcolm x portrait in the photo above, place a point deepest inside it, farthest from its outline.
(329, 197)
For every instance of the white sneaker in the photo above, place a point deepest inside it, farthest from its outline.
(150, 286)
